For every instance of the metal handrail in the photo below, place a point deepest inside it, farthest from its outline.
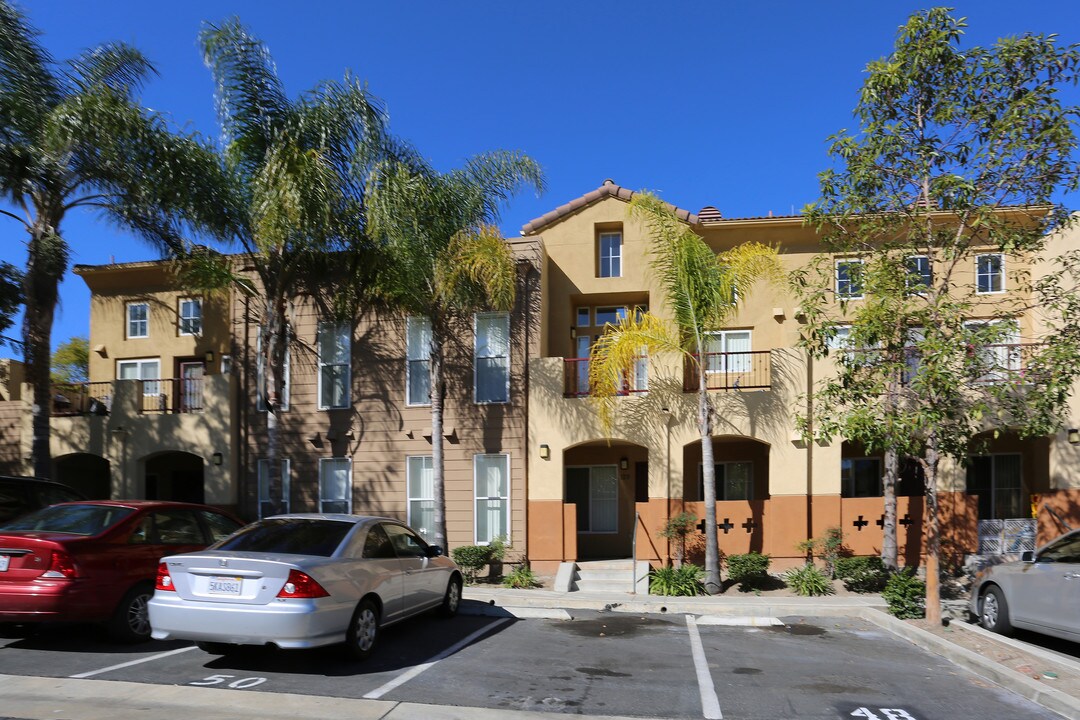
(633, 554)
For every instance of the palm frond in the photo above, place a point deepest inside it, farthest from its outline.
(476, 270)
(29, 85)
(614, 356)
(118, 66)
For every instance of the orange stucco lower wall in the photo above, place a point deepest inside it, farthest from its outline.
(1057, 512)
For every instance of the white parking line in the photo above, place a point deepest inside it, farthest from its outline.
(92, 673)
(710, 704)
(417, 669)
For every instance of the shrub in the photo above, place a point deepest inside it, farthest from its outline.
(749, 570)
(681, 581)
(808, 581)
(905, 594)
(862, 574)
(521, 578)
(471, 559)
(677, 528)
(498, 548)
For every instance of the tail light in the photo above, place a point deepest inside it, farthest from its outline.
(164, 579)
(61, 566)
(301, 585)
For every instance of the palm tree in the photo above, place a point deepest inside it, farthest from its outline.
(288, 196)
(700, 290)
(74, 136)
(447, 258)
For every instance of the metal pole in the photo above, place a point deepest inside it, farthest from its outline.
(633, 553)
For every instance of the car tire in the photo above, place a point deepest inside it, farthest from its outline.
(363, 632)
(130, 622)
(452, 599)
(994, 611)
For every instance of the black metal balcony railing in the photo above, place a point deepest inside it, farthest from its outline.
(576, 378)
(171, 395)
(82, 398)
(730, 371)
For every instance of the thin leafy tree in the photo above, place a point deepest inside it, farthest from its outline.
(950, 189)
(699, 287)
(10, 300)
(288, 195)
(74, 135)
(447, 259)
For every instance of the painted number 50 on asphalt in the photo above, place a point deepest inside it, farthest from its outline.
(886, 714)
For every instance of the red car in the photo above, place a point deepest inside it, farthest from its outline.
(96, 561)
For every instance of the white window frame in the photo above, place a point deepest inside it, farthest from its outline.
(349, 485)
(1004, 358)
(189, 320)
(416, 355)
(588, 316)
(428, 461)
(606, 262)
(979, 274)
(478, 498)
(848, 295)
(130, 321)
(477, 356)
(260, 378)
(849, 492)
(725, 364)
(722, 497)
(263, 487)
(340, 331)
(149, 389)
(918, 282)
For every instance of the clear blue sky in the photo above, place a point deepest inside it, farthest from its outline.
(708, 103)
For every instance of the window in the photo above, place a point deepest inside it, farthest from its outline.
(265, 508)
(138, 320)
(839, 338)
(335, 350)
(998, 481)
(734, 480)
(418, 361)
(492, 473)
(335, 485)
(728, 351)
(260, 380)
(141, 370)
(191, 316)
(920, 275)
(218, 525)
(377, 545)
(492, 358)
(610, 254)
(849, 279)
(609, 316)
(998, 353)
(989, 273)
(584, 317)
(595, 492)
(860, 477)
(406, 544)
(421, 490)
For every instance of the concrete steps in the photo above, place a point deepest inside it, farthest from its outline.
(604, 576)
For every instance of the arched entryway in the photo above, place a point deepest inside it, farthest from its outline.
(174, 476)
(604, 481)
(89, 474)
(742, 469)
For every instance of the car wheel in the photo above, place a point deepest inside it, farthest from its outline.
(452, 600)
(994, 611)
(216, 648)
(131, 620)
(363, 631)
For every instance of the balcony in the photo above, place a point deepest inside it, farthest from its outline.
(166, 396)
(576, 378)
(750, 370)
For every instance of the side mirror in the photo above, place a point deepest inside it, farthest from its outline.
(435, 550)
(1027, 556)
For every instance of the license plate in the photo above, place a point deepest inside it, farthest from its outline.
(4, 560)
(224, 586)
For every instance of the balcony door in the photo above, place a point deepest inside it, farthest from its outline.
(191, 385)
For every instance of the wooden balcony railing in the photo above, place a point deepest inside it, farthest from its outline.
(171, 395)
(576, 378)
(82, 398)
(730, 371)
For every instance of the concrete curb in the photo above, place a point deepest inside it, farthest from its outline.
(1047, 655)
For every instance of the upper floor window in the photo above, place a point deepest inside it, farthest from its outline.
(492, 358)
(418, 361)
(920, 275)
(335, 349)
(727, 351)
(138, 320)
(990, 273)
(849, 279)
(190, 316)
(148, 370)
(610, 254)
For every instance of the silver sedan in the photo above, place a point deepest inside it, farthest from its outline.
(302, 581)
(1040, 592)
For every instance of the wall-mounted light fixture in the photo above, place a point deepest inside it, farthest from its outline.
(573, 332)
(209, 356)
(1074, 436)
(216, 458)
(624, 463)
(545, 452)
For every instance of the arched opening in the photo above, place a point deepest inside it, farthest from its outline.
(89, 474)
(604, 481)
(741, 465)
(176, 476)
(862, 473)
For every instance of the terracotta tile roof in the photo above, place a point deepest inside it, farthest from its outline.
(608, 189)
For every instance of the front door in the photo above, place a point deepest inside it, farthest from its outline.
(191, 386)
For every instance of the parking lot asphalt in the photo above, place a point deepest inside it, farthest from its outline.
(522, 656)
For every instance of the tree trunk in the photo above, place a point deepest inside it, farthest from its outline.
(708, 472)
(274, 348)
(933, 538)
(46, 263)
(438, 394)
(888, 540)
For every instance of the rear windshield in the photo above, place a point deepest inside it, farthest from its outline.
(73, 519)
(289, 536)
